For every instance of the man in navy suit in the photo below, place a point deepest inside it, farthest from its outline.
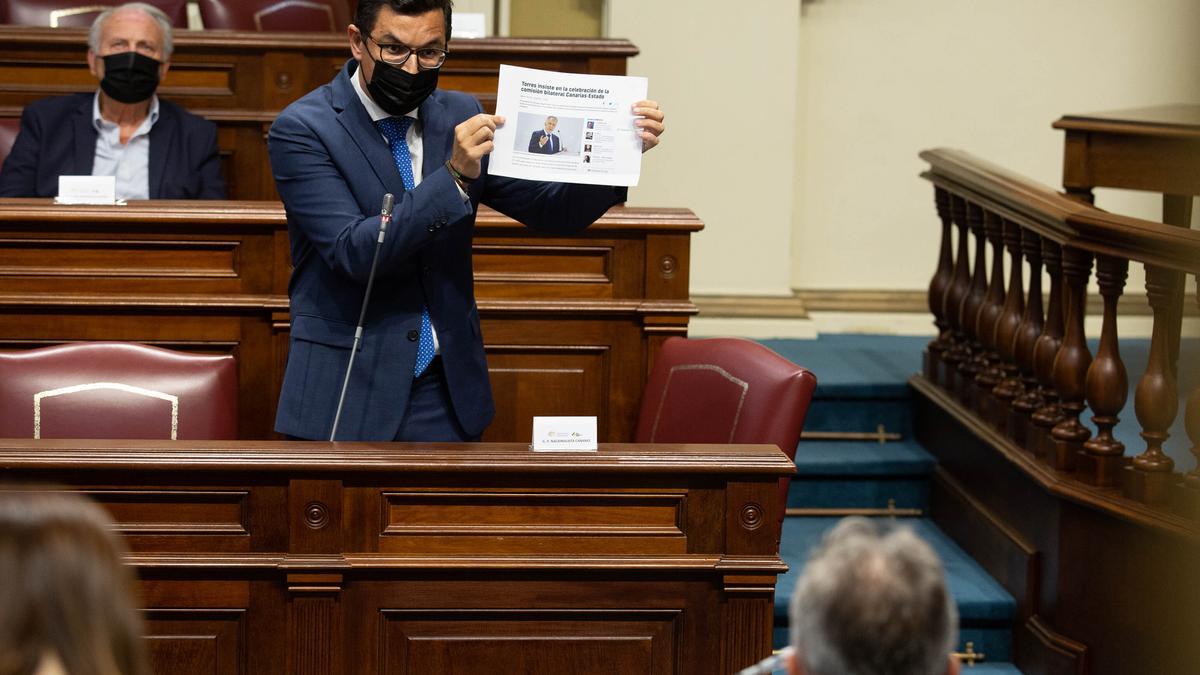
(381, 126)
(155, 149)
(545, 142)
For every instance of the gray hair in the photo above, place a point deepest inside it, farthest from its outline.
(159, 16)
(873, 603)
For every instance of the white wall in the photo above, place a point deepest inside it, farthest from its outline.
(729, 150)
(884, 80)
(845, 93)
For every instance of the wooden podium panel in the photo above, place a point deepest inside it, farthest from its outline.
(241, 81)
(571, 324)
(273, 557)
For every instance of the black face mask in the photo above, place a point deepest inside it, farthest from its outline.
(398, 91)
(129, 77)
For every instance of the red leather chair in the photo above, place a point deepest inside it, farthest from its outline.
(77, 13)
(321, 16)
(725, 390)
(117, 390)
(9, 126)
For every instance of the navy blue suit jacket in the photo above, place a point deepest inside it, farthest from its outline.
(57, 138)
(551, 147)
(332, 168)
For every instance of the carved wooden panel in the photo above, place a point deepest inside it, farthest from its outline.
(544, 379)
(583, 641)
(196, 640)
(519, 521)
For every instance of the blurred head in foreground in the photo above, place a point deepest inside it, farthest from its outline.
(66, 600)
(873, 602)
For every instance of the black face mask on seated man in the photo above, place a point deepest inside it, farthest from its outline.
(130, 77)
(398, 91)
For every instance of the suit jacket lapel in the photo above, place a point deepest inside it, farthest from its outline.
(162, 136)
(437, 134)
(85, 140)
(354, 119)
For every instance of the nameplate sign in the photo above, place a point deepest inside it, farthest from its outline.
(564, 434)
(87, 190)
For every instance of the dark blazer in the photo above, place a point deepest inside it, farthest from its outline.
(332, 168)
(57, 138)
(551, 147)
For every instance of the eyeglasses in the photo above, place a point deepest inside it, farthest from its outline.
(396, 54)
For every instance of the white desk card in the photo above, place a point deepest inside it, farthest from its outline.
(87, 190)
(564, 434)
(567, 128)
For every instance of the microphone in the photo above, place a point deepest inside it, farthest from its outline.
(774, 662)
(385, 217)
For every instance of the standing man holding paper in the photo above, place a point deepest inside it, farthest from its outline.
(382, 126)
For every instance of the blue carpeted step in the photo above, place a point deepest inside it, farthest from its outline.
(861, 474)
(868, 366)
(861, 380)
(985, 609)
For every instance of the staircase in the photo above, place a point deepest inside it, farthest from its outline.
(858, 458)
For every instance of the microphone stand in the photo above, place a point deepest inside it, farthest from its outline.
(385, 217)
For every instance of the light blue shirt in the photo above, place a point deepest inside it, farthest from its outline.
(129, 162)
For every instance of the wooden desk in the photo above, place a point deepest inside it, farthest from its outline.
(241, 81)
(571, 324)
(475, 559)
(1154, 149)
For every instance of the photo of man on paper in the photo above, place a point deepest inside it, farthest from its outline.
(545, 142)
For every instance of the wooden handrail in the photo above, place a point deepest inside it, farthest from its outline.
(1065, 221)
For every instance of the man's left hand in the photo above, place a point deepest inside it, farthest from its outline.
(651, 124)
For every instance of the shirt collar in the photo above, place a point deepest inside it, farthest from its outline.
(98, 121)
(369, 103)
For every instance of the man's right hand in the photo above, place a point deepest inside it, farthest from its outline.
(542, 141)
(473, 140)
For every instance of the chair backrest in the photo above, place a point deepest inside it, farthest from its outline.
(77, 13)
(117, 390)
(321, 16)
(9, 126)
(725, 390)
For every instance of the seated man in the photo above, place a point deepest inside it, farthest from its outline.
(871, 603)
(156, 149)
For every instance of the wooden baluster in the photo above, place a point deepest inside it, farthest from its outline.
(938, 288)
(1007, 328)
(1156, 399)
(1107, 383)
(1071, 364)
(988, 359)
(1045, 351)
(969, 314)
(959, 288)
(1027, 335)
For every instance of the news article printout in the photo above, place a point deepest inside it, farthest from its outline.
(568, 128)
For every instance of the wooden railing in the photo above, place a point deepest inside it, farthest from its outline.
(1022, 363)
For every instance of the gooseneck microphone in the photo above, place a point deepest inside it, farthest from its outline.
(385, 217)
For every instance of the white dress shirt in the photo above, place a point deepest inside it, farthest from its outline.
(128, 162)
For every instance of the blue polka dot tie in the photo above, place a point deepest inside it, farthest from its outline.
(395, 130)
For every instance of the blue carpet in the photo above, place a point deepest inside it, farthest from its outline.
(863, 458)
